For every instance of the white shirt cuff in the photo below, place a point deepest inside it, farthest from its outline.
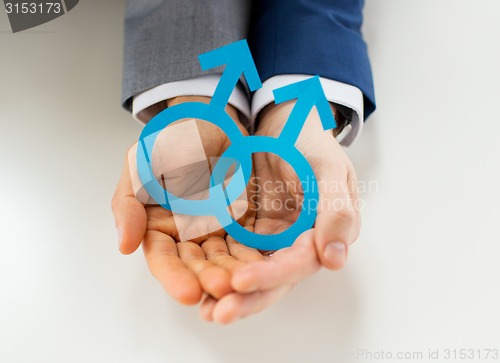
(198, 86)
(336, 92)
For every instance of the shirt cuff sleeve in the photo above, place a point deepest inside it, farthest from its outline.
(336, 92)
(145, 104)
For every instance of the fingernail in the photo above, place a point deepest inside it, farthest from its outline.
(335, 253)
(119, 233)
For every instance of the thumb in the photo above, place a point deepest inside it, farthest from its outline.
(337, 224)
(130, 215)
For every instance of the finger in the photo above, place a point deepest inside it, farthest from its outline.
(285, 267)
(237, 306)
(242, 252)
(164, 263)
(129, 213)
(338, 223)
(217, 252)
(207, 308)
(213, 279)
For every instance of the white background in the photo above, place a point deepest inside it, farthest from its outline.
(424, 274)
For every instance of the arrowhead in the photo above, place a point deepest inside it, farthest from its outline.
(237, 58)
(308, 93)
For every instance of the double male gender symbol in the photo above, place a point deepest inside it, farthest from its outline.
(238, 60)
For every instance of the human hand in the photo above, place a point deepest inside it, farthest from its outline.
(187, 269)
(259, 284)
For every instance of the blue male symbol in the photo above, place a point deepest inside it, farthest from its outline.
(238, 60)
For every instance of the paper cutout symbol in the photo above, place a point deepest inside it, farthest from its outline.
(238, 60)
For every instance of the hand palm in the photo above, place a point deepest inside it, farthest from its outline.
(262, 283)
(239, 280)
(208, 258)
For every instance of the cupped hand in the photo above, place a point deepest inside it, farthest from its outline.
(259, 284)
(188, 269)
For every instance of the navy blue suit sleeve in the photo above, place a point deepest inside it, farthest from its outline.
(317, 37)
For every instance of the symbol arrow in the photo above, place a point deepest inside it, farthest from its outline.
(308, 93)
(238, 60)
